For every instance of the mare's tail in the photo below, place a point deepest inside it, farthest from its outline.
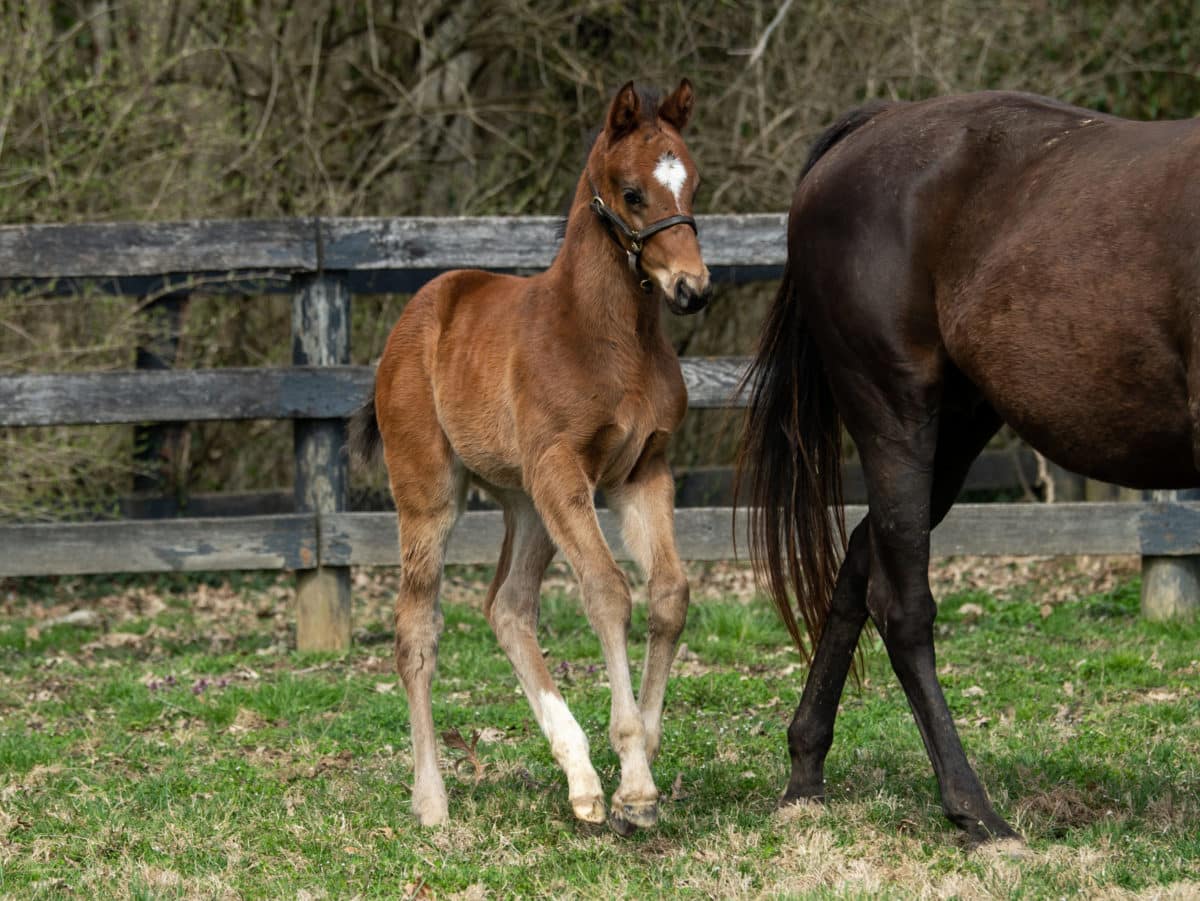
(363, 438)
(789, 463)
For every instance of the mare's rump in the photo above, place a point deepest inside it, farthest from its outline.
(1057, 253)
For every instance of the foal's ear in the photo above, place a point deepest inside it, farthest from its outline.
(677, 109)
(624, 113)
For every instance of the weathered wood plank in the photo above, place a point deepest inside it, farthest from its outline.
(94, 398)
(712, 381)
(750, 240)
(522, 242)
(177, 545)
(427, 242)
(299, 392)
(247, 250)
(1038, 529)
(291, 541)
(122, 249)
(707, 533)
(371, 539)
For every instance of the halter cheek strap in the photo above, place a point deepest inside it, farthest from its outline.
(637, 238)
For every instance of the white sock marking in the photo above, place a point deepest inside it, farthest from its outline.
(671, 174)
(567, 741)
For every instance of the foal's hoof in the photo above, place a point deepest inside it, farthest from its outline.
(621, 826)
(643, 815)
(589, 810)
(432, 812)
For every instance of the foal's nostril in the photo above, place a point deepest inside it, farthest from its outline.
(684, 295)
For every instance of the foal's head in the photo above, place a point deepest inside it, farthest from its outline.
(645, 180)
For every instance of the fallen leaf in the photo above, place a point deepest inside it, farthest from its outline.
(87, 619)
(677, 792)
(1045, 610)
(385, 688)
(416, 891)
(1161, 694)
(970, 612)
(973, 692)
(453, 739)
(115, 640)
(247, 720)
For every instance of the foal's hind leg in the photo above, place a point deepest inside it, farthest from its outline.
(646, 504)
(428, 489)
(512, 609)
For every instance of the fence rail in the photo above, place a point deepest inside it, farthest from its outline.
(322, 263)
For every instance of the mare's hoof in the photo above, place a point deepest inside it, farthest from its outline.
(589, 810)
(1006, 848)
(795, 800)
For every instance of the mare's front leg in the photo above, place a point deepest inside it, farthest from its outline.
(646, 505)
(562, 493)
(512, 609)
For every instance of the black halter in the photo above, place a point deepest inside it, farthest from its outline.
(637, 237)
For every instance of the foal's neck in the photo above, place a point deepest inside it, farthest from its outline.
(594, 280)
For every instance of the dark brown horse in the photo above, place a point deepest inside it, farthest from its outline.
(541, 390)
(953, 265)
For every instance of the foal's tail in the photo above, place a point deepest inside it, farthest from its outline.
(789, 463)
(363, 438)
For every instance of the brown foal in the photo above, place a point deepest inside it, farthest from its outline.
(539, 390)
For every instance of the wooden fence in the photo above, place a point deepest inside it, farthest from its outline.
(322, 263)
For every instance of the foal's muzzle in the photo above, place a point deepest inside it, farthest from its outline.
(686, 299)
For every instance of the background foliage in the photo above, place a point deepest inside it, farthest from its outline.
(168, 109)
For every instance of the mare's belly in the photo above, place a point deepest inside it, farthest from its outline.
(1105, 402)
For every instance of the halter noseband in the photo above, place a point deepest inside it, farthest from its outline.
(637, 237)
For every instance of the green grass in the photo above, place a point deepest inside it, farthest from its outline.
(193, 755)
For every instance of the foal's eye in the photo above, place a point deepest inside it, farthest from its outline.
(633, 197)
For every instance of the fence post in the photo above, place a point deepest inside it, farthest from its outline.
(321, 337)
(1171, 585)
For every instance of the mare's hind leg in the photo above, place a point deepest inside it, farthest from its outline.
(512, 609)
(428, 489)
(646, 505)
(961, 437)
(810, 734)
(899, 471)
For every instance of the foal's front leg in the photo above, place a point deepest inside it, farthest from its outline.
(562, 494)
(512, 609)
